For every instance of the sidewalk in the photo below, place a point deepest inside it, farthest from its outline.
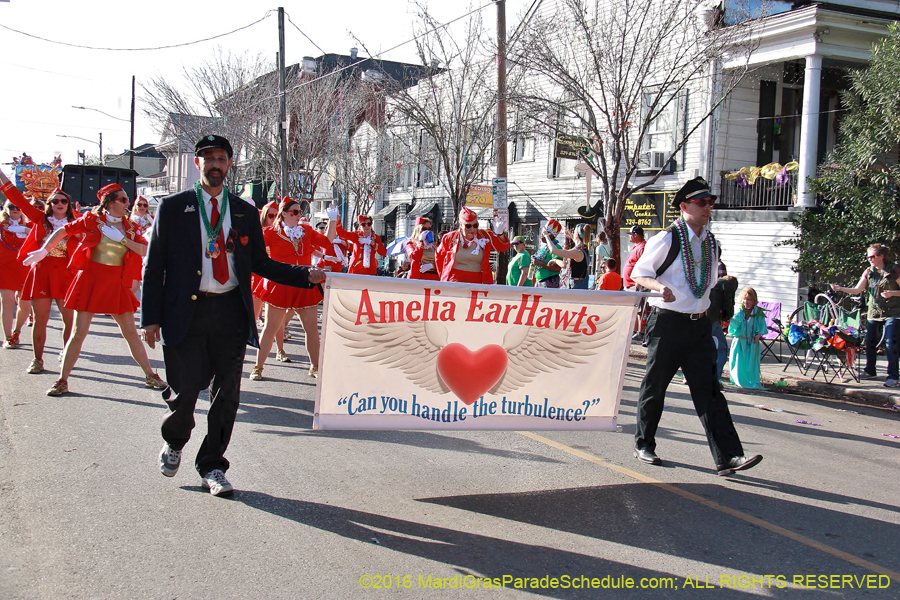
(870, 391)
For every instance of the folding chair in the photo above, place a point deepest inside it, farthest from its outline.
(837, 358)
(799, 339)
(775, 334)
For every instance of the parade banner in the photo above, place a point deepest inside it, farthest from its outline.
(418, 354)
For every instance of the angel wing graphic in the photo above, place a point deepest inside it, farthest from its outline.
(413, 348)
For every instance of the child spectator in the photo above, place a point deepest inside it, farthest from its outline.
(747, 326)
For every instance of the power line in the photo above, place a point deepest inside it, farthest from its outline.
(304, 35)
(265, 16)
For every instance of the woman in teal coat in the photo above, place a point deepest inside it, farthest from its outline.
(746, 328)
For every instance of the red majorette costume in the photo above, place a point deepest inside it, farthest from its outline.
(362, 261)
(334, 260)
(421, 256)
(51, 277)
(104, 270)
(255, 280)
(293, 246)
(467, 261)
(143, 223)
(12, 237)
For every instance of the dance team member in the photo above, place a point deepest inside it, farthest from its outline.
(49, 279)
(14, 230)
(420, 249)
(365, 245)
(106, 263)
(141, 217)
(291, 242)
(464, 254)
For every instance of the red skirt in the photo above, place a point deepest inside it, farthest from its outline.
(98, 289)
(431, 276)
(48, 279)
(288, 297)
(12, 271)
(360, 270)
(256, 284)
(465, 276)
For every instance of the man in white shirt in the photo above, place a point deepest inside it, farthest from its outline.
(678, 331)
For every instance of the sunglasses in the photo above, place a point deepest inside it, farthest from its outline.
(124, 200)
(471, 225)
(14, 207)
(871, 256)
(270, 216)
(367, 224)
(295, 212)
(59, 201)
(703, 202)
(142, 205)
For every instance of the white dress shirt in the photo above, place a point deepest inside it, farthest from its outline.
(207, 281)
(674, 278)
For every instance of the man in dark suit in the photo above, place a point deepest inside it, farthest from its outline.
(197, 300)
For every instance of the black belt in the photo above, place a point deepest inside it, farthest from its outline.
(222, 295)
(675, 313)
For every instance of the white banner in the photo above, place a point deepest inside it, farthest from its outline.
(415, 354)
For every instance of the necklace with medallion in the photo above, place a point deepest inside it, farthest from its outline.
(212, 233)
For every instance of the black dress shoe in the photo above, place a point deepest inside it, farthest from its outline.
(647, 456)
(738, 463)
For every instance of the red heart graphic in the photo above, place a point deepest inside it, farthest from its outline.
(470, 374)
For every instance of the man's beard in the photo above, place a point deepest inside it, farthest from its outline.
(214, 177)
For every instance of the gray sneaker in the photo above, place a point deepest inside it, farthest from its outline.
(169, 461)
(863, 376)
(216, 483)
(891, 382)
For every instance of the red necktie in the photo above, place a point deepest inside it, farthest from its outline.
(220, 262)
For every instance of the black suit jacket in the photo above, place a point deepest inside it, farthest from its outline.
(172, 272)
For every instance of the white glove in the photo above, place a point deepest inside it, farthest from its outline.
(20, 230)
(332, 212)
(112, 233)
(426, 236)
(34, 257)
(501, 222)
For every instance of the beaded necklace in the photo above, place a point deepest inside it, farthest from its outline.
(698, 288)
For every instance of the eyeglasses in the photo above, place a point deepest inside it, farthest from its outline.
(295, 212)
(703, 202)
(471, 225)
(59, 201)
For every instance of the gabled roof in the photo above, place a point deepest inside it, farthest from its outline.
(405, 74)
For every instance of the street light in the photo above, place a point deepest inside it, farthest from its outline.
(131, 147)
(75, 137)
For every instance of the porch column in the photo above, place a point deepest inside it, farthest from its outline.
(809, 128)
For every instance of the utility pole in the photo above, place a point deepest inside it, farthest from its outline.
(131, 148)
(503, 257)
(282, 119)
(101, 150)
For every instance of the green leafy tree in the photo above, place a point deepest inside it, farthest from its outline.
(858, 186)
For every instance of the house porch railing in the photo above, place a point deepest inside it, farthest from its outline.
(764, 194)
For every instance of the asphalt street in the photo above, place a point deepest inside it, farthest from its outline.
(85, 513)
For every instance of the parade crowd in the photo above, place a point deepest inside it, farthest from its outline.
(208, 258)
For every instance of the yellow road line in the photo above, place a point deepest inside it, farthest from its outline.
(802, 539)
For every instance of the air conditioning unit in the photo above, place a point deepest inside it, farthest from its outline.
(654, 160)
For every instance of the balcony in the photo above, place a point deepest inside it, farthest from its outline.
(764, 194)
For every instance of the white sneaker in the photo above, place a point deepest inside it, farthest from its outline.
(169, 461)
(215, 482)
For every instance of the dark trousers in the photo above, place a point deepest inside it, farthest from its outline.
(674, 342)
(890, 327)
(211, 356)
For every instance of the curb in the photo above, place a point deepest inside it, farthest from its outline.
(816, 387)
